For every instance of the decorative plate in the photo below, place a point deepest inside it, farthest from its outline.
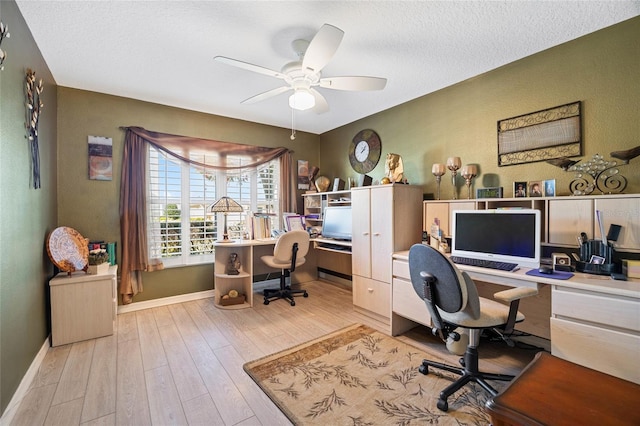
(67, 249)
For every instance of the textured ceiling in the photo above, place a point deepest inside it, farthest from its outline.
(162, 51)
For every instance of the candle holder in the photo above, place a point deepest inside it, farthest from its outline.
(453, 164)
(438, 170)
(468, 173)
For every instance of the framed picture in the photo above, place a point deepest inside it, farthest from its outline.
(541, 135)
(519, 189)
(294, 222)
(550, 188)
(535, 188)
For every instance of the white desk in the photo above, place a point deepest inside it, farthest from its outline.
(595, 320)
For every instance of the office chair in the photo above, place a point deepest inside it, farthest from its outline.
(452, 300)
(288, 254)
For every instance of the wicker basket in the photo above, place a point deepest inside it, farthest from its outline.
(233, 300)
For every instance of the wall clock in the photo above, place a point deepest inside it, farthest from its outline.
(364, 151)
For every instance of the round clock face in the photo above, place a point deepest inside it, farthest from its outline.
(364, 151)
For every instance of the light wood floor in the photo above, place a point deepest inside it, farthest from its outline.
(182, 364)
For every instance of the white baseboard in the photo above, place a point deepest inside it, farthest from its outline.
(147, 304)
(25, 384)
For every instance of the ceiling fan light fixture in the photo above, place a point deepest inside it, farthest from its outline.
(302, 100)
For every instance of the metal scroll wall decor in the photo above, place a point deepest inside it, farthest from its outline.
(34, 105)
(4, 33)
(540, 136)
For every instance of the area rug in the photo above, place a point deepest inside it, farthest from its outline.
(359, 376)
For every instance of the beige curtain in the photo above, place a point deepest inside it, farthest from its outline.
(133, 228)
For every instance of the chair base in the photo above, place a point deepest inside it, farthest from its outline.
(284, 292)
(468, 373)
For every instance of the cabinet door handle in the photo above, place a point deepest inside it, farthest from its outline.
(376, 234)
(365, 233)
(370, 290)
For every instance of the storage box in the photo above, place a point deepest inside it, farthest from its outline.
(631, 268)
(233, 300)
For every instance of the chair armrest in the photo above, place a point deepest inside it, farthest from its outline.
(517, 293)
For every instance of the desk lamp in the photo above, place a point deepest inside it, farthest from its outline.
(225, 205)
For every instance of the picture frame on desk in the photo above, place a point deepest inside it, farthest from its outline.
(492, 192)
(294, 222)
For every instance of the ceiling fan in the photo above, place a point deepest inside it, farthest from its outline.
(305, 74)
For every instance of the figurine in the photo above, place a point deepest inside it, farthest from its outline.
(312, 178)
(393, 168)
(233, 265)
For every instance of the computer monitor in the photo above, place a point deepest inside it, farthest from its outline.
(336, 223)
(508, 235)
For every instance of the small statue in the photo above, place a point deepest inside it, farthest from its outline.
(233, 265)
(393, 168)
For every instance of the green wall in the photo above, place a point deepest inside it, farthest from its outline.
(600, 69)
(91, 206)
(28, 214)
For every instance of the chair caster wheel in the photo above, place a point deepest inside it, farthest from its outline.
(423, 369)
(305, 294)
(461, 361)
(266, 302)
(442, 405)
(293, 303)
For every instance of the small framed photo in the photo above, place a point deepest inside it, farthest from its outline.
(519, 189)
(550, 188)
(294, 222)
(492, 192)
(535, 188)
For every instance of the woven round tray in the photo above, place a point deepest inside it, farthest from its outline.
(67, 249)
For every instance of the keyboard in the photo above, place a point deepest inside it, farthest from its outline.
(335, 247)
(492, 264)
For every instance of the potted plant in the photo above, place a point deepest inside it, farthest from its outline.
(98, 262)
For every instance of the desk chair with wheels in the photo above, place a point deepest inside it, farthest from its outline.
(289, 253)
(452, 300)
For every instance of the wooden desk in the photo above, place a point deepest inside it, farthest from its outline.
(593, 319)
(552, 391)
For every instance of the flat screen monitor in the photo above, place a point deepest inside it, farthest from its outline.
(336, 223)
(509, 235)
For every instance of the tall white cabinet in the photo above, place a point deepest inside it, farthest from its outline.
(386, 219)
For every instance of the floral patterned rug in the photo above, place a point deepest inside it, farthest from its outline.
(359, 376)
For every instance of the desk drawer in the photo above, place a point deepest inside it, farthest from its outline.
(372, 295)
(407, 304)
(610, 351)
(610, 311)
(401, 269)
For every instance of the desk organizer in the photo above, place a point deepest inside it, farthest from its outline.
(595, 248)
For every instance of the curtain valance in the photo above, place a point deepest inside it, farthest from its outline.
(218, 151)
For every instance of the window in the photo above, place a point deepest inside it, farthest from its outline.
(180, 229)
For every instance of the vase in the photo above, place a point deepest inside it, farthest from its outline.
(100, 269)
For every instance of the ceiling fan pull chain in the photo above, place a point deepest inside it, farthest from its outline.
(293, 124)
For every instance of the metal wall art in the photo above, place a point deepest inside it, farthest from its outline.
(34, 105)
(541, 135)
(4, 33)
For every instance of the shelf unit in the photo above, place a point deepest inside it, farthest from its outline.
(242, 282)
(316, 202)
(563, 218)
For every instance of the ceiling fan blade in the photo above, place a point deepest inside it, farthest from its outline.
(266, 95)
(322, 48)
(249, 67)
(321, 103)
(354, 83)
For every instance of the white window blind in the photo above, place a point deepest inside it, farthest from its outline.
(181, 230)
